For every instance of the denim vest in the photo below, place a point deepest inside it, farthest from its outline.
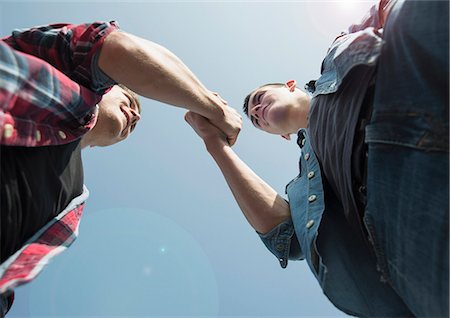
(318, 232)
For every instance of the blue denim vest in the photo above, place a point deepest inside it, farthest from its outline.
(318, 232)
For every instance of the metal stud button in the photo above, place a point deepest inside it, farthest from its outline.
(62, 135)
(309, 224)
(306, 156)
(310, 174)
(37, 135)
(312, 198)
(8, 131)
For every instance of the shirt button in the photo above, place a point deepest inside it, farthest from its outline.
(37, 135)
(309, 224)
(306, 156)
(8, 131)
(279, 247)
(62, 135)
(303, 141)
(312, 198)
(310, 174)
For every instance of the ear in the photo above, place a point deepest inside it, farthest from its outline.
(286, 136)
(291, 85)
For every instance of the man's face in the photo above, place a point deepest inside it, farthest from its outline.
(117, 118)
(278, 110)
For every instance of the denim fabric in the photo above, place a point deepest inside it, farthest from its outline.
(408, 193)
(309, 199)
(282, 242)
(405, 270)
(348, 51)
(341, 262)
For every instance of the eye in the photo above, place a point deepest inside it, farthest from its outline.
(258, 98)
(256, 122)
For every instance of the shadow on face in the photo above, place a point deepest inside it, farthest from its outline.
(118, 114)
(277, 108)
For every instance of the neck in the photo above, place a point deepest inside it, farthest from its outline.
(300, 114)
(86, 140)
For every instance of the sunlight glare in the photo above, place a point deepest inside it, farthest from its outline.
(332, 17)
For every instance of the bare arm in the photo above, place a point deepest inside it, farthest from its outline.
(154, 72)
(261, 205)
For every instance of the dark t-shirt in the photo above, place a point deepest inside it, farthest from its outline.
(37, 183)
(338, 141)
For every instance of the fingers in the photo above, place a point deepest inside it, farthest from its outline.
(193, 118)
(228, 128)
(199, 123)
(187, 117)
(232, 140)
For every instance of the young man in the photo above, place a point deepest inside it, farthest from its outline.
(369, 208)
(57, 96)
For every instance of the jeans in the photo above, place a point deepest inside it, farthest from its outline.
(407, 212)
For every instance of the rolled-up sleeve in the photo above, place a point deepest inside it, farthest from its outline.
(39, 105)
(282, 242)
(72, 49)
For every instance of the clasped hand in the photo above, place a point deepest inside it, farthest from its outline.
(224, 129)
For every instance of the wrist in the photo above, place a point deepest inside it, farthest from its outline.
(215, 145)
(217, 112)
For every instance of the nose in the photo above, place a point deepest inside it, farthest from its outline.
(135, 116)
(256, 111)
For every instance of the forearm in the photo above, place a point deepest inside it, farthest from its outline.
(154, 72)
(260, 203)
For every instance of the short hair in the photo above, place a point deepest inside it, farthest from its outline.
(134, 97)
(247, 98)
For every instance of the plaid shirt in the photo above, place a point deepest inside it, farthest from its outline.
(49, 83)
(49, 86)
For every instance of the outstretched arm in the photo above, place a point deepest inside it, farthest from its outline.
(145, 67)
(261, 205)
(153, 71)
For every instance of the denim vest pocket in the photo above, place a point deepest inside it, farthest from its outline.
(424, 131)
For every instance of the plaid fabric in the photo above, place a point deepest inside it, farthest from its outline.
(48, 84)
(67, 47)
(51, 240)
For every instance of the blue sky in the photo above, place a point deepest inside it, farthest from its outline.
(161, 234)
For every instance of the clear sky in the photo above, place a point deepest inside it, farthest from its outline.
(161, 233)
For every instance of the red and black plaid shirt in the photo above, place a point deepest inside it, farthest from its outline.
(50, 83)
